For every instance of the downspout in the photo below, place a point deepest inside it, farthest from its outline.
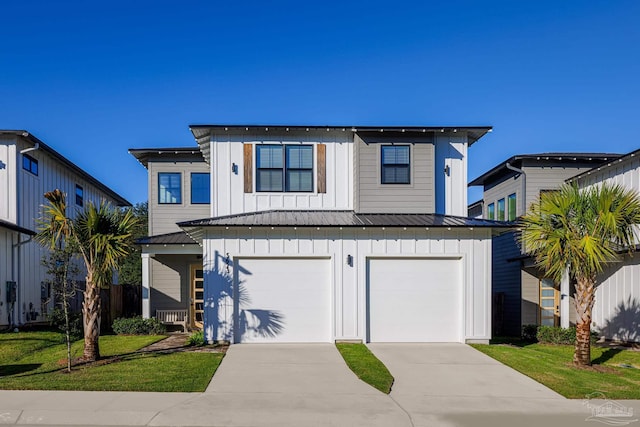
(524, 186)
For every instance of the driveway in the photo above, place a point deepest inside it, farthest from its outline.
(454, 384)
(286, 384)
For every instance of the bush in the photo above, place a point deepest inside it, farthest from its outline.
(529, 333)
(196, 339)
(56, 319)
(138, 326)
(555, 335)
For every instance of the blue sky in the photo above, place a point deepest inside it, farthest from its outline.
(94, 79)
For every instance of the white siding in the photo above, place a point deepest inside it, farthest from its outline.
(228, 188)
(8, 186)
(451, 186)
(473, 247)
(6, 259)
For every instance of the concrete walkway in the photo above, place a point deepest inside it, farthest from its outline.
(310, 385)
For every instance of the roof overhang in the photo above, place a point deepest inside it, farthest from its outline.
(13, 227)
(144, 154)
(606, 166)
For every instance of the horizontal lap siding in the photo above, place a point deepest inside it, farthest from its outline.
(170, 283)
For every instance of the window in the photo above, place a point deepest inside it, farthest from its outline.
(169, 188)
(79, 195)
(501, 210)
(284, 168)
(511, 207)
(30, 164)
(491, 211)
(200, 188)
(395, 164)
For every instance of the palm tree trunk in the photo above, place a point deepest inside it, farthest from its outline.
(91, 317)
(584, 298)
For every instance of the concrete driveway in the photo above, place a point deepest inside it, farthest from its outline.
(454, 384)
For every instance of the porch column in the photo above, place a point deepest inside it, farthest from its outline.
(564, 300)
(146, 286)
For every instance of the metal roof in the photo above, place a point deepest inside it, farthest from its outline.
(177, 238)
(316, 218)
(14, 227)
(202, 131)
(120, 201)
(613, 163)
(143, 154)
(501, 169)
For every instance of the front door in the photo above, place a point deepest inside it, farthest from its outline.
(549, 303)
(197, 296)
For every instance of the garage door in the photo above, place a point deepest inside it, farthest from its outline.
(414, 300)
(283, 300)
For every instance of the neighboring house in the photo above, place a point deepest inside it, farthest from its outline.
(616, 313)
(522, 294)
(28, 169)
(327, 233)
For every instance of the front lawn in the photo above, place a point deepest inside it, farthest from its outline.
(36, 361)
(366, 366)
(615, 372)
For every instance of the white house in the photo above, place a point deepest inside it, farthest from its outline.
(28, 169)
(323, 233)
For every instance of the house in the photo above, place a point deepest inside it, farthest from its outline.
(323, 233)
(522, 295)
(28, 169)
(616, 313)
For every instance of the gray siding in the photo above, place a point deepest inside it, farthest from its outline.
(373, 197)
(505, 280)
(170, 279)
(501, 190)
(530, 298)
(163, 217)
(549, 177)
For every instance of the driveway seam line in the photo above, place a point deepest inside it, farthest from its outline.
(403, 410)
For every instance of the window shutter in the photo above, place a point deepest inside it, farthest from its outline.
(321, 168)
(248, 168)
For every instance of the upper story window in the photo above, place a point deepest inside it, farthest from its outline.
(395, 164)
(501, 210)
(169, 188)
(511, 207)
(79, 196)
(30, 164)
(284, 168)
(491, 211)
(200, 188)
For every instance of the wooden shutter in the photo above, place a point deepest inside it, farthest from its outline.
(321, 167)
(248, 168)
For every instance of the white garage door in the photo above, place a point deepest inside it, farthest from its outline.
(414, 300)
(283, 300)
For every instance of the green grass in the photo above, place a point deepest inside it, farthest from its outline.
(36, 361)
(552, 366)
(366, 366)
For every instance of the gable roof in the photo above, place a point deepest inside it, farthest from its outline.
(558, 158)
(120, 201)
(14, 227)
(606, 166)
(144, 154)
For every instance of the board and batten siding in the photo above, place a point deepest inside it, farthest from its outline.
(348, 285)
(8, 177)
(228, 187)
(7, 238)
(163, 217)
(374, 197)
(505, 276)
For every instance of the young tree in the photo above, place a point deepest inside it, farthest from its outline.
(579, 231)
(103, 238)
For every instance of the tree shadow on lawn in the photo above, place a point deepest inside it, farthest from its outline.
(606, 356)
(7, 370)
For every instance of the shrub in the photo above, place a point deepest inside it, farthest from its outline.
(529, 333)
(138, 326)
(555, 335)
(56, 319)
(196, 339)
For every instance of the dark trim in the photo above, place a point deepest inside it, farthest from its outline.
(14, 227)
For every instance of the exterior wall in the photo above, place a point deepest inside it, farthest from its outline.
(371, 196)
(348, 282)
(163, 217)
(616, 313)
(451, 173)
(8, 176)
(530, 297)
(170, 282)
(501, 190)
(505, 277)
(227, 189)
(6, 267)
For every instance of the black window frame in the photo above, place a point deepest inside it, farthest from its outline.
(79, 196)
(285, 169)
(160, 174)
(384, 165)
(208, 193)
(30, 164)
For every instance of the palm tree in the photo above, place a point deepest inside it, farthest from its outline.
(103, 238)
(578, 231)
